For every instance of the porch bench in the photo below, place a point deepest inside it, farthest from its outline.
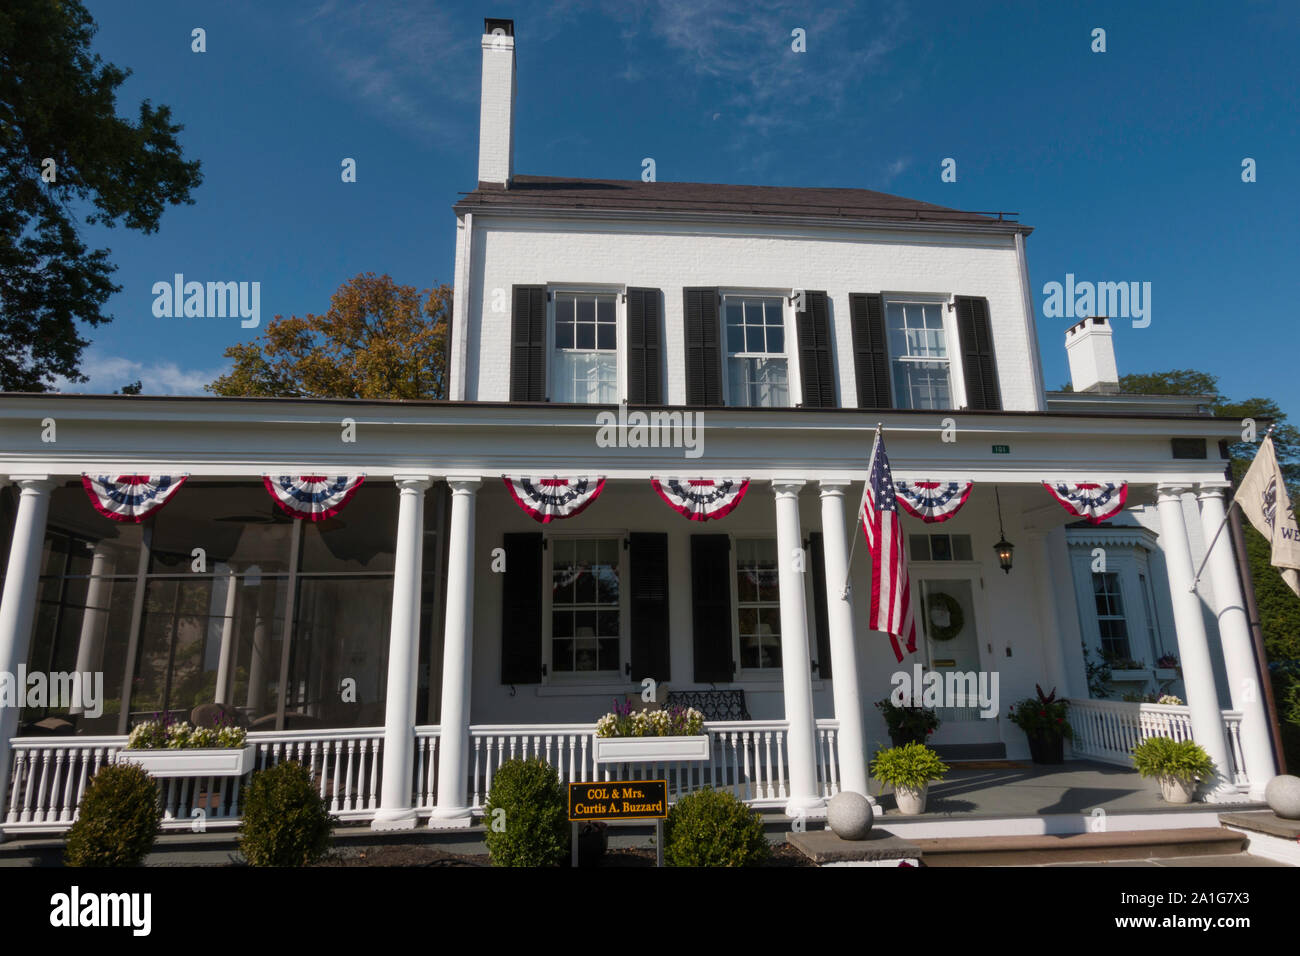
(713, 704)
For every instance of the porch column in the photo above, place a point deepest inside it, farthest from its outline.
(458, 637)
(1238, 648)
(1045, 609)
(257, 661)
(395, 811)
(844, 656)
(94, 622)
(796, 663)
(1193, 645)
(226, 660)
(18, 604)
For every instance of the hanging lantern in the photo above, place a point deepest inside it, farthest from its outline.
(1004, 548)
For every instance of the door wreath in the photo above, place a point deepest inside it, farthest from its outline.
(942, 605)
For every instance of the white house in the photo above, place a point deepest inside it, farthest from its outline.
(433, 627)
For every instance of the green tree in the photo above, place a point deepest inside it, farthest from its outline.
(378, 340)
(62, 145)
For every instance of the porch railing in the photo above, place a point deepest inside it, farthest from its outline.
(1108, 730)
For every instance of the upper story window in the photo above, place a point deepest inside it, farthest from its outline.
(918, 353)
(584, 362)
(758, 368)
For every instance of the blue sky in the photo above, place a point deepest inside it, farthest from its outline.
(1127, 163)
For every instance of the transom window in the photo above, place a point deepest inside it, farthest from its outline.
(918, 350)
(758, 604)
(758, 370)
(585, 606)
(1110, 614)
(585, 358)
(940, 547)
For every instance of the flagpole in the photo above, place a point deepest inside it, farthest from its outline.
(853, 535)
(1233, 504)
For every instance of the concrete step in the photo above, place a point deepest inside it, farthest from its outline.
(1037, 849)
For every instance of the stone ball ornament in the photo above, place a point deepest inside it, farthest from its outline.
(849, 815)
(1283, 795)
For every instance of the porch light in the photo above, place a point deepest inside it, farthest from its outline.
(1004, 548)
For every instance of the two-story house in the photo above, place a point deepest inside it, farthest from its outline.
(662, 401)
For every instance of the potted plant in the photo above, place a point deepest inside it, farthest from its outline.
(676, 733)
(908, 724)
(1178, 764)
(1045, 725)
(909, 770)
(177, 749)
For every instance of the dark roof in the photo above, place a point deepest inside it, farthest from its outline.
(634, 195)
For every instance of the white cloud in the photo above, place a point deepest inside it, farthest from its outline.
(108, 373)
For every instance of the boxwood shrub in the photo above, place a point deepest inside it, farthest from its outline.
(533, 828)
(286, 820)
(714, 828)
(118, 821)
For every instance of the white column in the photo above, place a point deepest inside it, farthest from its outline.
(94, 620)
(458, 637)
(1193, 645)
(226, 660)
(257, 662)
(796, 663)
(844, 655)
(1238, 648)
(395, 811)
(18, 604)
(1045, 610)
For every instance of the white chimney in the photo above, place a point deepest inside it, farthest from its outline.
(496, 125)
(1092, 356)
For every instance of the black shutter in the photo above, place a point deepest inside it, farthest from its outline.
(643, 337)
(977, 357)
(703, 347)
(521, 609)
(817, 555)
(870, 357)
(815, 366)
(711, 607)
(648, 560)
(528, 345)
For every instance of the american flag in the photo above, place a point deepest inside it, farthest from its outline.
(891, 590)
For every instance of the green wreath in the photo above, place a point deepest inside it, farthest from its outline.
(955, 617)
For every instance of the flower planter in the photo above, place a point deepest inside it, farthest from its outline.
(1131, 676)
(1167, 673)
(222, 762)
(649, 749)
(1046, 748)
(1177, 789)
(911, 801)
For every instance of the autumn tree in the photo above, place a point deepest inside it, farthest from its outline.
(377, 340)
(66, 155)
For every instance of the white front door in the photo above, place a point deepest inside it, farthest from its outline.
(948, 612)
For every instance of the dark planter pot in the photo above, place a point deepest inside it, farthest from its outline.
(903, 739)
(593, 840)
(1046, 747)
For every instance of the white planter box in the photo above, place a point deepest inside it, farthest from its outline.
(223, 762)
(648, 749)
(1133, 676)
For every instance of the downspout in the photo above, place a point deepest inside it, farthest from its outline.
(1031, 326)
(460, 313)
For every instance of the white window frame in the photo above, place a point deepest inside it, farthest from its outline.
(581, 678)
(619, 292)
(947, 310)
(791, 353)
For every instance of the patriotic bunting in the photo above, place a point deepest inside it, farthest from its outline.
(891, 587)
(932, 501)
(130, 498)
(700, 499)
(312, 497)
(1091, 500)
(549, 498)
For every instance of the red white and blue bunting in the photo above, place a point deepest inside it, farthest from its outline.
(1095, 501)
(312, 497)
(549, 498)
(932, 501)
(130, 498)
(700, 499)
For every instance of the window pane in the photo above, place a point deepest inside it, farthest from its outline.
(920, 546)
(605, 310)
(564, 334)
(961, 550)
(940, 549)
(562, 655)
(586, 335)
(606, 337)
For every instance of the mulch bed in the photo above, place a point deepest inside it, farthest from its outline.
(396, 854)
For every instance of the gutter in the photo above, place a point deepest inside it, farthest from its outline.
(1031, 325)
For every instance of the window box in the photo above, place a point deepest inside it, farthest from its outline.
(649, 749)
(217, 762)
(1131, 676)
(1167, 673)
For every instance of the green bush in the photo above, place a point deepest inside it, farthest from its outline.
(713, 828)
(119, 819)
(1165, 757)
(532, 827)
(286, 820)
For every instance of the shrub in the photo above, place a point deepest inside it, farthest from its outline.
(286, 821)
(533, 829)
(713, 828)
(119, 819)
(911, 766)
(1165, 757)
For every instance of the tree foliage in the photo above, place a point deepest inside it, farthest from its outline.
(377, 340)
(62, 143)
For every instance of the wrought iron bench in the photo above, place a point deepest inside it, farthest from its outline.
(713, 704)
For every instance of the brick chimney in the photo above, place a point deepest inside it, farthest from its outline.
(496, 127)
(1092, 356)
